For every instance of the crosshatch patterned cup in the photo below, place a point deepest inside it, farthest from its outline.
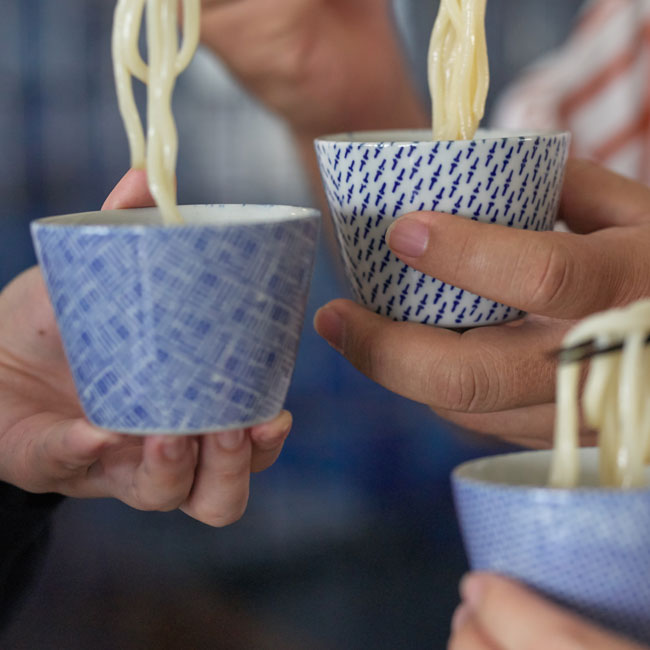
(586, 548)
(180, 329)
(372, 178)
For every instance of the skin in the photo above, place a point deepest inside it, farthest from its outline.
(290, 55)
(498, 614)
(316, 63)
(501, 380)
(46, 444)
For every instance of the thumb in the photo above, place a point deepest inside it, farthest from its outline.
(131, 192)
(515, 618)
(594, 198)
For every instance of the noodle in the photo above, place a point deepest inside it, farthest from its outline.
(616, 400)
(459, 74)
(165, 62)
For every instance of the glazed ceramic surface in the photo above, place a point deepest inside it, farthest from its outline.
(586, 548)
(372, 178)
(180, 329)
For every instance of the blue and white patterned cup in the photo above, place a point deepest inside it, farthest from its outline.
(372, 178)
(180, 329)
(587, 548)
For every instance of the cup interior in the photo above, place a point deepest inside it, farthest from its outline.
(193, 215)
(409, 136)
(530, 469)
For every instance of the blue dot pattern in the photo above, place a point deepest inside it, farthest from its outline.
(512, 181)
(185, 329)
(587, 549)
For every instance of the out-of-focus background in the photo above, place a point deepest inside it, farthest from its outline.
(350, 539)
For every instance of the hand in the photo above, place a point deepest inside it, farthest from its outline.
(46, 445)
(501, 380)
(323, 65)
(498, 614)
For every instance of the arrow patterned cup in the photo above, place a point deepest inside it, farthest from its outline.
(372, 178)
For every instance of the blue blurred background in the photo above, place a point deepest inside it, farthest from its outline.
(350, 539)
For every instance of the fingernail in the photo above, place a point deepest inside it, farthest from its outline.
(174, 448)
(408, 238)
(274, 432)
(471, 590)
(462, 614)
(329, 324)
(282, 425)
(231, 440)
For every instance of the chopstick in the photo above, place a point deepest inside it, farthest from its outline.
(588, 350)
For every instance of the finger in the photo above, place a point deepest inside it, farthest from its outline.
(517, 619)
(531, 426)
(466, 633)
(74, 445)
(481, 370)
(221, 486)
(163, 478)
(594, 198)
(56, 451)
(209, 4)
(548, 273)
(268, 440)
(131, 192)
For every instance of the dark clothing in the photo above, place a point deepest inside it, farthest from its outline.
(24, 530)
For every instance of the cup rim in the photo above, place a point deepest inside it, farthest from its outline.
(409, 137)
(462, 475)
(196, 216)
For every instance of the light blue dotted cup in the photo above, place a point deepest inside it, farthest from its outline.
(372, 178)
(587, 548)
(180, 329)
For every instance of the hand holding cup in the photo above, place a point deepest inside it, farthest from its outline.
(49, 446)
(500, 380)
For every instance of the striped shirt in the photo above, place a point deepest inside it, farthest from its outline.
(597, 86)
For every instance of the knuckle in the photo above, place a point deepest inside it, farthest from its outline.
(469, 387)
(369, 353)
(549, 279)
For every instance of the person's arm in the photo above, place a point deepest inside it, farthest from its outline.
(501, 380)
(46, 444)
(325, 66)
(24, 532)
(498, 614)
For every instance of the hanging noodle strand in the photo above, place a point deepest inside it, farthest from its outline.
(615, 400)
(165, 62)
(459, 74)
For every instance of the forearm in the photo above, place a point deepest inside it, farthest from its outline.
(324, 66)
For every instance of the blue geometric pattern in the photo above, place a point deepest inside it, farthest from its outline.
(181, 329)
(511, 180)
(588, 549)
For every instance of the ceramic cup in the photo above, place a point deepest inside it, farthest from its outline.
(587, 548)
(372, 178)
(180, 329)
